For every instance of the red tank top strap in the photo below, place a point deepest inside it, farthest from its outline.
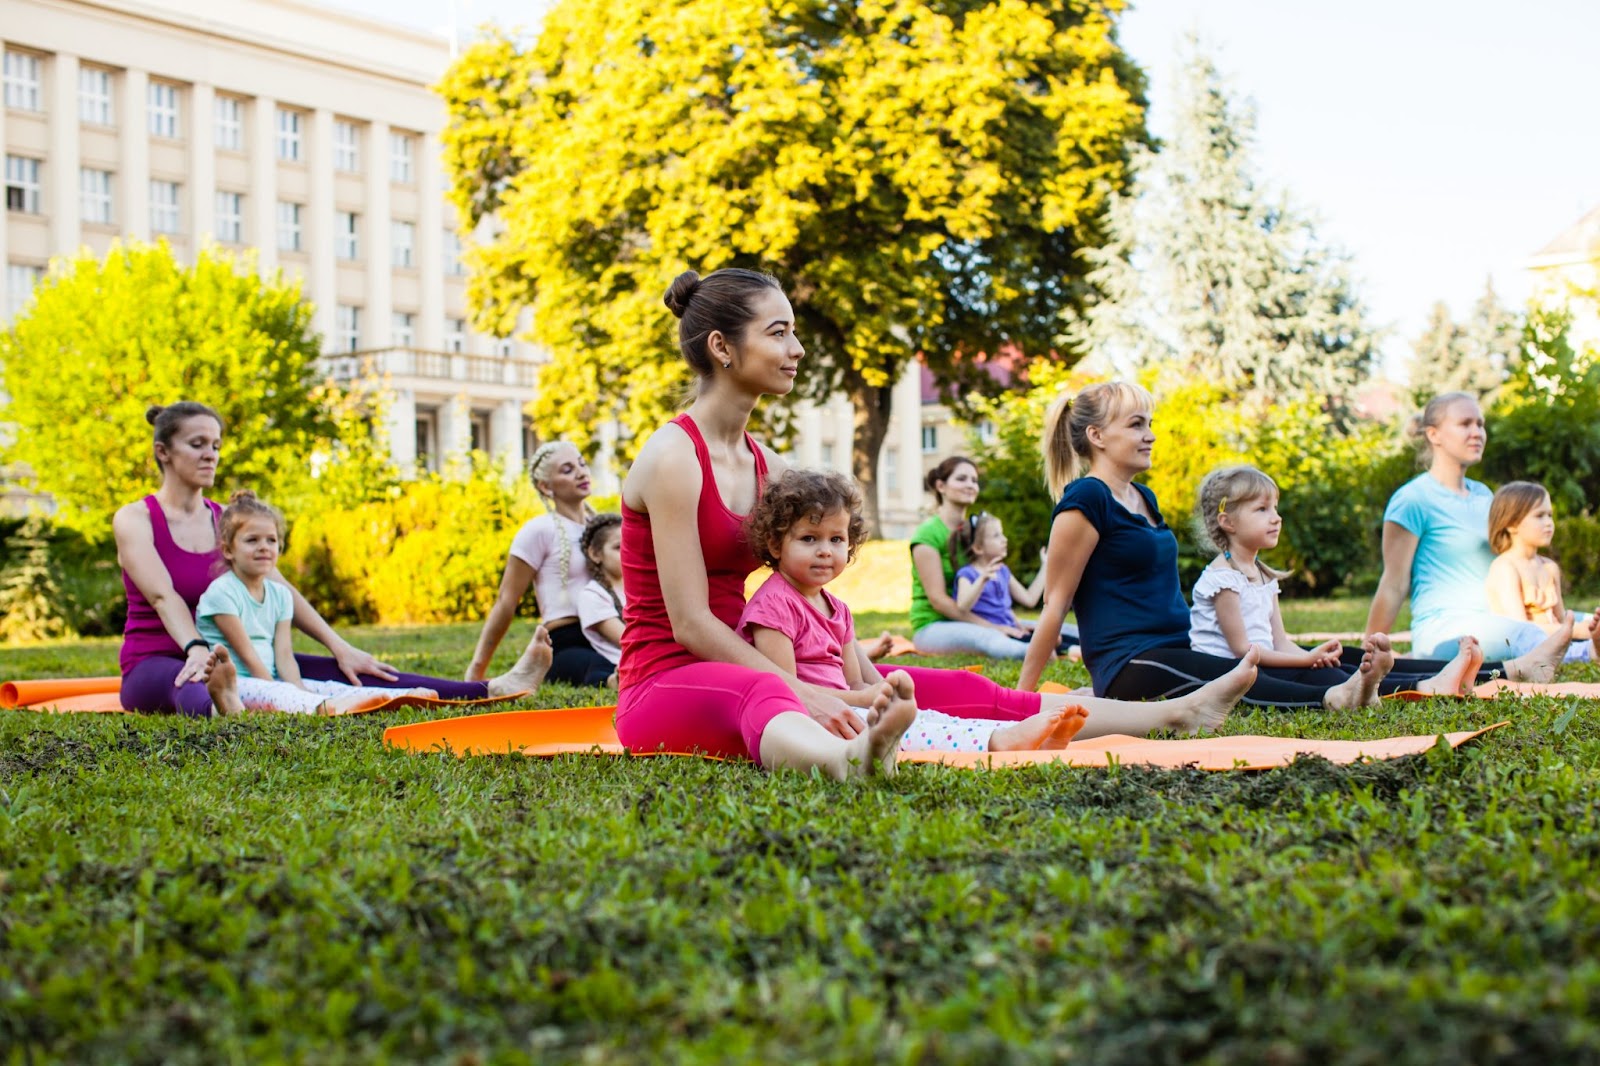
(703, 454)
(161, 533)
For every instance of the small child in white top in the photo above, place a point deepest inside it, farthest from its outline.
(600, 602)
(250, 614)
(1236, 598)
(1523, 584)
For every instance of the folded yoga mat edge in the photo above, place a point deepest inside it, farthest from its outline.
(28, 693)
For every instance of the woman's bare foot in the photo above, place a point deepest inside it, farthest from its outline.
(1206, 708)
(1360, 689)
(528, 673)
(222, 681)
(891, 714)
(1540, 664)
(1459, 674)
(1049, 730)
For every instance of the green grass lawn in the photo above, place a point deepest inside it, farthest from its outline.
(278, 889)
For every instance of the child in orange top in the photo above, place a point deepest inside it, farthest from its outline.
(1524, 584)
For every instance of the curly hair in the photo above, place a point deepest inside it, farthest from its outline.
(800, 495)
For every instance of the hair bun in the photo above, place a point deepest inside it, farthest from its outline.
(241, 494)
(680, 292)
(153, 412)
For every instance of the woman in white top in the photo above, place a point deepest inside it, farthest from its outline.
(545, 553)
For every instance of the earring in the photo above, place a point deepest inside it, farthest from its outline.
(727, 366)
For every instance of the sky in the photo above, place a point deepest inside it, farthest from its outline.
(1440, 143)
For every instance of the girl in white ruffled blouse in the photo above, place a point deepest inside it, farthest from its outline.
(1236, 600)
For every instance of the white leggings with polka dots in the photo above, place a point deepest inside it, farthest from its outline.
(937, 731)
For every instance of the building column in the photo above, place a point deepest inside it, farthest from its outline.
(322, 281)
(430, 245)
(63, 198)
(455, 426)
(603, 471)
(403, 431)
(844, 434)
(505, 437)
(808, 437)
(380, 270)
(5, 251)
(202, 167)
(131, 195)
(908, 409)
(263, 194)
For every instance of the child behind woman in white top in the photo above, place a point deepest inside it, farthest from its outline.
(600, 602)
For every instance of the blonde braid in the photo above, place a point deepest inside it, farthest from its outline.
(536, 471)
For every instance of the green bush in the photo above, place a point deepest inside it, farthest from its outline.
(1577, 549)
(89, 592)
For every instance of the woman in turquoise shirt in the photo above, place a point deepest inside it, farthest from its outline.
(1436, 550)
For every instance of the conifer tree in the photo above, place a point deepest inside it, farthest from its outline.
(1212, 275)
(31, 597)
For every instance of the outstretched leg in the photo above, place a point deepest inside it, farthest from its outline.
(222, 681)
(1050, 730)
(1540, 664)
(1205, 708)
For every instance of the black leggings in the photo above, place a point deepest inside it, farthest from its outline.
(576, 662)
(1164, 673)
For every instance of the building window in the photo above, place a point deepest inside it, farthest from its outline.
(930, 440)
(404, 329)
(347, 331)
(289, 135)
(480, 431)
(402, 236)
(289, 228)
(20, 280)
(346, 147)
(163, 207)
(163, 110)
(827, 454)
(986, 432)
(22, 184)
(400, 158)
(230, 217)
(94, 96)
(94, 192)
(428, 441)
(455, 335)
(454, 266)
(346, 234)
(502, 347)
(230, 123)
(23, 82)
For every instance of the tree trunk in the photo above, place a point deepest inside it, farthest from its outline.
(873, 405)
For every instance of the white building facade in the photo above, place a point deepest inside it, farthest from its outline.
(309, 137)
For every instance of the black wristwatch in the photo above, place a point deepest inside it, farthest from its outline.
(202, 641)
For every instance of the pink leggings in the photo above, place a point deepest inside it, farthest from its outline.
(722, 709)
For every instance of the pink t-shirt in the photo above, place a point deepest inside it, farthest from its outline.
(537, 545)
(819, 642)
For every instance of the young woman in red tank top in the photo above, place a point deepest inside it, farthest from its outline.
(687, 681)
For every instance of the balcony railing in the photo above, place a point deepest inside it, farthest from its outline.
(439, 366)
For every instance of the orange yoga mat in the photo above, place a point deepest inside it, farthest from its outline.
(27, 693)
(102, 695)
(588, 731)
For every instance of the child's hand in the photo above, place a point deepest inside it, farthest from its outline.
(1326, 654)
(989, 569)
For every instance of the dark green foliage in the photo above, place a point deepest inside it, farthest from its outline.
(91, 597)
(30, 588)
(1545, 425)
(274, 889)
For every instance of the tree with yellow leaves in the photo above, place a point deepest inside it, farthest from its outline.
(920, 176)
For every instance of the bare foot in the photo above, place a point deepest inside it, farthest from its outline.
(1207, 707)
(1459, 674)
(528, 673)
(879, 648)
(891, 714)
(1360, 689)
(222, 681)
(1540, 664)
(1049, 730)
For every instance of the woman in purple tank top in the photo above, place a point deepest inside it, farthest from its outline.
(169, 551)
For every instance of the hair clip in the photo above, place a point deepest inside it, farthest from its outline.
(1222, 508)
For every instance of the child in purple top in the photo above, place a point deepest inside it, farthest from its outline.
(807, 526)
(989, 589)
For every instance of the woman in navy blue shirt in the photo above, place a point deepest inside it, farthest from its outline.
(1113, 555)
